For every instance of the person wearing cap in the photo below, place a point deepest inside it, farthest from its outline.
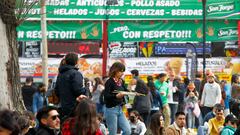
(230, 125)
(211, 95)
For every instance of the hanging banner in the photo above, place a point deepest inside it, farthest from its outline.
(224, 67)
(122, 49)
(171, 31)
(60, 30)
(90, 68)
(136, 9)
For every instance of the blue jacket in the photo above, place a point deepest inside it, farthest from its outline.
(39, 100)
(156, 100)
(69, 86)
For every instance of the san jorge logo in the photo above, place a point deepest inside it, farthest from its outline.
(220, 8)
(227, 32)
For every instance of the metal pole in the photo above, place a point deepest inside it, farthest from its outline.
(44, 43)
(105, 37)
(204, 36)
(105, 46)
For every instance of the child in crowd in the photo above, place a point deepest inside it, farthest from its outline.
(102, 127)
(191, 109)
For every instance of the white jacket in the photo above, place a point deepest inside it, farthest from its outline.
(211, 94)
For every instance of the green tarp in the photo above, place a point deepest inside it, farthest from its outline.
(137, 10)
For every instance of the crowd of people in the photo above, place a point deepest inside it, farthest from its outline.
(167, 104)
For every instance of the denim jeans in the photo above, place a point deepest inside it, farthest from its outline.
(115, 118)
(173, 108)
(202, 130)
(99, 108)
(190, 119)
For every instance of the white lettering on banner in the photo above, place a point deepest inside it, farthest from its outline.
(220, 8)
(123, 50)
(142, 3)
(186, 12)
(32, 11)
(57, 2)
(168, 3)
(52, 34)
(63, 11)
(167, 34)
(20, 34)
(151, 12)
(227, 32)
(119, 29)
(131, 34)
(91, 3)
(109, 12)
(97, 3)
(34, 34)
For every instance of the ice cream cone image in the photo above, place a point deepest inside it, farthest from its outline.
(176, 64)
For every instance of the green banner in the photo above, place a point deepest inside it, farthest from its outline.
(61, 30)
(137, 9)
(171, 31)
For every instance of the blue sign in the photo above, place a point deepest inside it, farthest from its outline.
(179, 48)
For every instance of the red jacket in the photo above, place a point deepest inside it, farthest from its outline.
(68, 124)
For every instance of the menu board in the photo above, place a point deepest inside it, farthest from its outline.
(32, 49)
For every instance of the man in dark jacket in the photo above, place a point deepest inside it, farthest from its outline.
(49, 122)
(69, 85)
(28, 90)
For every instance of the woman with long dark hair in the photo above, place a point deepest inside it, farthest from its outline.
(114, 100)
(157, 124)
(84, 121)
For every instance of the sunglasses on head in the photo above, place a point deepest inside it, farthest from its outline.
(54, 117)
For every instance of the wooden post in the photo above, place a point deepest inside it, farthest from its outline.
(44, 43)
